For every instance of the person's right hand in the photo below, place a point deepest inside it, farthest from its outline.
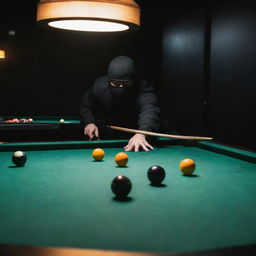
(91, 130)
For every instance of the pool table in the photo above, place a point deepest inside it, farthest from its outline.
(43, 128)
(61, 203)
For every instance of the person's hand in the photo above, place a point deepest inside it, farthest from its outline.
(136, 142)
(91, 130)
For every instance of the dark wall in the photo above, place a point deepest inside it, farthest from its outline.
(203, 64)
(183, 68)
(47, 71)
(232, 105)
(209, 64)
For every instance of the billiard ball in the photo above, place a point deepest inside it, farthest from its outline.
(19, 158)
(187, 166)
(156, 174)
(121, 186)
(16, 120)
(62, 121)
(121, 159)
(98, 154)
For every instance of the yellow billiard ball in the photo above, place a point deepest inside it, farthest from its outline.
(187, 166)
(121, 159)
(98, 154)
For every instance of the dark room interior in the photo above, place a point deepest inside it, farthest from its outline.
(200, 55)
(58, 197)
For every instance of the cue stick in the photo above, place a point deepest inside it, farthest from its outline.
(181, 137)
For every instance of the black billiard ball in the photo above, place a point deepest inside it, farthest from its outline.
(121, 186)
(156, 174)
(19, 158)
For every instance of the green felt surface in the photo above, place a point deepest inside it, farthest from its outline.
(49, 121)
(63, 198)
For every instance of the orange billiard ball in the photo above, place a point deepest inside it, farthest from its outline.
(121, 159)
(187, 166)
(98, 154)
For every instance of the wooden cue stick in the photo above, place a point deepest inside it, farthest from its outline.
(181, 137)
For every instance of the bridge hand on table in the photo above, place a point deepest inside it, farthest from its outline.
(136, 142)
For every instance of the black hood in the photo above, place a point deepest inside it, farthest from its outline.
(121, 68)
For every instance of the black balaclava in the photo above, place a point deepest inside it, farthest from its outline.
(121, 68)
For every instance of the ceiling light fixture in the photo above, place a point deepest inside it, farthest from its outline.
(2, 54)
(89, 15)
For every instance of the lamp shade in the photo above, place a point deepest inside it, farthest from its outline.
(2, 54)
(89, 15)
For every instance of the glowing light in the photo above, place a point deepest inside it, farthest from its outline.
(2, 54)
(88, 25)
(89, 15)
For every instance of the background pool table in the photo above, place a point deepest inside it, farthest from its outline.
(62, 198)
(43, 128)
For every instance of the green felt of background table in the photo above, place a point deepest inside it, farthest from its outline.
(63, 198)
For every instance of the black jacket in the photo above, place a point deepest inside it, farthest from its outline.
(136, 107)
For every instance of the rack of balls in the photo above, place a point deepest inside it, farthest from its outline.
(20, 120)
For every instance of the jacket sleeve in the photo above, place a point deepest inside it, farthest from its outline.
(88, 108)
(149, 110)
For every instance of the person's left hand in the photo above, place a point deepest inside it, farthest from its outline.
(137, 141)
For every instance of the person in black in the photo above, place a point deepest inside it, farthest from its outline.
(122, 98)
